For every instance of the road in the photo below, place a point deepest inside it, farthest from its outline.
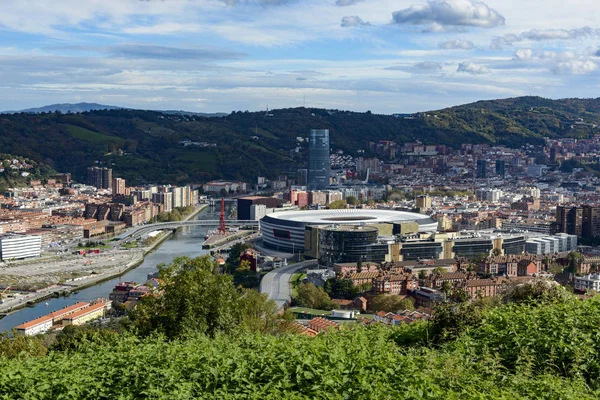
(277, 282)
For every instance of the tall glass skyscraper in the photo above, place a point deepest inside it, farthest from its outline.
(318, 159)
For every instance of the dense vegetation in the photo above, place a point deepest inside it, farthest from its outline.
(196, 298)
(199, 337)
(10, 177)
(144, 146)
(545, 347)
(178, 214)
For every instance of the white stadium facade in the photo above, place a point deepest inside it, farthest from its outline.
(285, 230)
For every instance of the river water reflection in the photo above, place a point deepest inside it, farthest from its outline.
(185, 242)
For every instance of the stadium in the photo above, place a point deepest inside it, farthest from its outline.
(285, 230)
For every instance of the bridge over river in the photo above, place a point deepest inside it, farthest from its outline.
(144, 229)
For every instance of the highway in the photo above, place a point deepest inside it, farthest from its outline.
(277, 282)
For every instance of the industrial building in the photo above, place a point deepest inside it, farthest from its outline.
(244, 207)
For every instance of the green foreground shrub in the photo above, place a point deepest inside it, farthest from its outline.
(518, 351)
(543, 349)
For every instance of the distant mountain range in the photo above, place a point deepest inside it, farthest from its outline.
(68, 108)
(179, 147)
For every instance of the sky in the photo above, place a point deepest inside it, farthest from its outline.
(387, 56)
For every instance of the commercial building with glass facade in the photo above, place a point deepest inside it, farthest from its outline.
(318, 159)
(349, 243)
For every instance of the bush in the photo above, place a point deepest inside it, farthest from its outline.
(358, 363)
(391, 303)
(20, 346)
(557, 338)
(536, 290)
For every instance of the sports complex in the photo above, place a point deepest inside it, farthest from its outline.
(286, 230)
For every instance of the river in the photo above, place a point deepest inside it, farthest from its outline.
(186, 241)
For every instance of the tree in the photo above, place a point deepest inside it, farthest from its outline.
(391, 303)
(19, 346)
(535, 290)
(352, 200)
(461, 295)
(192, 298)
(77, 338)
(233, 261)
(574, 259)
(477, 258)
(308, 295)
(336, 205)
(244, 265)
(258, 313)
(496, 252)
(341, 289)
(223, 192)
(446, 287)
(422, 275)
(394, 196)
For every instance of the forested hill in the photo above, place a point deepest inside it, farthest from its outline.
(146, 146)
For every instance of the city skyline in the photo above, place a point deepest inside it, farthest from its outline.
(223, 55)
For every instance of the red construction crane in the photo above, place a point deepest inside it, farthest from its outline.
(222, 228)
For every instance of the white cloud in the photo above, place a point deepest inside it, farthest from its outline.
(130, 50)
(261, 2)
(544, 34)
(428, 65)
(423, 67)
(346, 3)
(524, 54)
(353, 20)
(139, 51)
(473, 68)
(576, 67)
(456, 44)
(163, 28)
(450, 13)
(560, 63)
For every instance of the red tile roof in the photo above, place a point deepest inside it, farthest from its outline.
(85, 311)
(35, 322)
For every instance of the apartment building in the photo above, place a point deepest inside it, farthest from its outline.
(17, 246)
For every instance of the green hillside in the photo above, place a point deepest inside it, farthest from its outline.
(25, 170)
(144, 146)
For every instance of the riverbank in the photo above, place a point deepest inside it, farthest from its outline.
(13, 305)
(216, 240)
